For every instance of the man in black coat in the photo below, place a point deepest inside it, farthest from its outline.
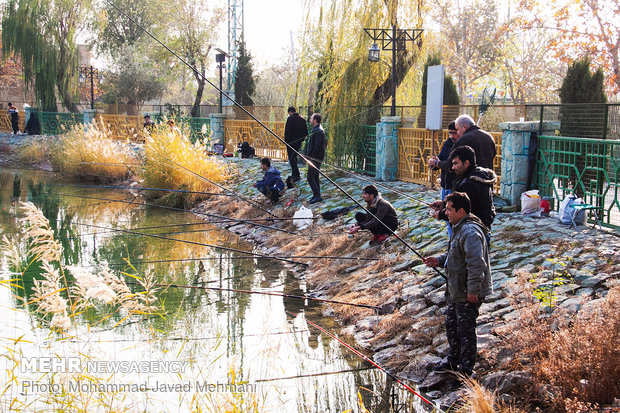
(295, 131)
(479, 140)
(475, 181)
(315, 151)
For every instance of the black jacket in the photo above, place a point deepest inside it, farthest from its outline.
(295, 130)
(315, 149)
(384, 211)
(447, 176)
(482, 143)
(477, 183)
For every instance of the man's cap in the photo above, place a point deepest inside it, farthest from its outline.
(452, 126)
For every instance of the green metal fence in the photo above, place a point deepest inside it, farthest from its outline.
(360, 156)
(584, 120)
(53, 123)
(589, 168)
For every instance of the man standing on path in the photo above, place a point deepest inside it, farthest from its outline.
(382, 210)
(469, 281)
(295, 131)
(475, 181)
(315, 151)
(13, 113)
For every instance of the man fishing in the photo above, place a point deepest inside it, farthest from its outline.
(469, 281)
(384, 213)
(271, 185)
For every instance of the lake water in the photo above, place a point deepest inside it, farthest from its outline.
(198, 349)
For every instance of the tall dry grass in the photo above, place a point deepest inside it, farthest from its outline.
(477, 399)
(173, 162)
(91, 151)
(575, 360)
(34, 151)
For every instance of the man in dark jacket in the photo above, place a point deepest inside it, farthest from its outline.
(469, 281)
(384, 213)
(447, 175)
(475, 181)
(271, 185)
(315, 151)
(295, 131)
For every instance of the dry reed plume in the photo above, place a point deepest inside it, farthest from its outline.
(172, 161)
(477, 399)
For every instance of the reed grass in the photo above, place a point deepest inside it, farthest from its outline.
(478, 399)
(173, 162)
(89, 150)
(34, 151)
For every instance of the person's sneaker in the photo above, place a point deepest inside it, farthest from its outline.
(374, 240)
(381, 239)
(315, 200)
(445, 366)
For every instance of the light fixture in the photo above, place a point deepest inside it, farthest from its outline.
(373, 53)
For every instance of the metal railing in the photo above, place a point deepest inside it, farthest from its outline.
(415, 146)
(360, 155)
(589, 168)
(53, 123)
(263, 142)
(583, 120)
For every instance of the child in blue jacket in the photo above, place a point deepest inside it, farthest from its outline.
(271, 185)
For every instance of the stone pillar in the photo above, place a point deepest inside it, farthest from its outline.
(89, 116)
(387, 148)
(216, 121)
(515, 146)
(27, 111)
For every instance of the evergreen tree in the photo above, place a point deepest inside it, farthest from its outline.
(450, 94)
(579, 91)
(245, 84)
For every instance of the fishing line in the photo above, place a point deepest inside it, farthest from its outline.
(363, 356)
(301, 376)
(310, 164)
(193, 243)
(300, 297)
(178, 209)
(146, 189)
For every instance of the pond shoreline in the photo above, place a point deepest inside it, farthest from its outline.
(528, 254)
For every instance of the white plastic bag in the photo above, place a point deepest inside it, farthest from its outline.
(306, 218)
(565, 212)
(530, 203)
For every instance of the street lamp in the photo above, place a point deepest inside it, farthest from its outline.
(89, 71)
(393, 41)
(219, 59)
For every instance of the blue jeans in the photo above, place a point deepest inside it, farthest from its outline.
(444, 194)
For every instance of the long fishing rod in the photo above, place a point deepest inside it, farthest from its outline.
(179, 209)
(265, 127)
(244, 257)
(193, 243)
(146, 189)
(300, 297)
(363, 356)
(243, 198)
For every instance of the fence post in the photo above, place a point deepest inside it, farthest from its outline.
(386, 167)
(89, 116)
(515, 151)
(605, 120)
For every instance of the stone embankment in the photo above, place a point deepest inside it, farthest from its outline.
(567, 271)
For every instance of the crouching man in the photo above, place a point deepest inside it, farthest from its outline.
(469, 281)
(271, 185)
(383, 212)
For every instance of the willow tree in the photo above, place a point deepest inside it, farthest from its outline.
(42, 33)
(352, 89)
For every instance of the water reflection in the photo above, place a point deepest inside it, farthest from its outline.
(255, 338)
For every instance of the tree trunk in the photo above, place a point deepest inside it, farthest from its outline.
(201, 87)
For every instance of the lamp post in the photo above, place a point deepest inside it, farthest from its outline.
(220, 58)
(396, 40)
(89, 71)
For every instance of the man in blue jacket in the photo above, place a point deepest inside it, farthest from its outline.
(271, 185)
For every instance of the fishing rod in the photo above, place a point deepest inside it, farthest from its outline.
(265, 127)
(193, 243)
(178, 209)
(152, 233)
(146, 189)
(363, 356)
(300, 297)
(244, 257)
